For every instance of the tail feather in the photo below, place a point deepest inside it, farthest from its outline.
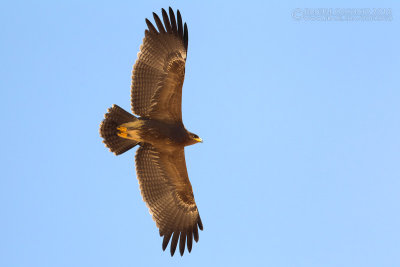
(114, 117)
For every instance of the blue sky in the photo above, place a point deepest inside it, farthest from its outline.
(300, 164)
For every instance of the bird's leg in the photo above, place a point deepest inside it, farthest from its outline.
(122, 132)
(129, 130)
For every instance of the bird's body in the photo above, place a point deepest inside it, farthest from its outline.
(159, 134)
(156, 97)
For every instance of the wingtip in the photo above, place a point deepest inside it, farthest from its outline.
(195, 234)
(189, 240)
(179, 20)
(182, 243)
(173, 21)
(166, 20)
(200, 224)
(174, 243)
(165, 242)
(150, 26)
(185, 36)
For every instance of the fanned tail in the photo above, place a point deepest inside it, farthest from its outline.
(114, 117)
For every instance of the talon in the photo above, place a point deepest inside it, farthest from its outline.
(122, 132)
(123, 135)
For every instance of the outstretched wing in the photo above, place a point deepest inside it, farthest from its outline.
(159, 71)
(167, 191)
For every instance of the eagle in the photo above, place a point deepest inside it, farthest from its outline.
(158, 130)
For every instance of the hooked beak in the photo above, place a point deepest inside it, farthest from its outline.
(198, 140)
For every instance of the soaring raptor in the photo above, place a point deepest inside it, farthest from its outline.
(156, 97)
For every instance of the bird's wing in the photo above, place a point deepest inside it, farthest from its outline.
(166, 189)
(159, 71)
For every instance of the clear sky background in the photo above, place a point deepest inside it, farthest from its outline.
(301, 160)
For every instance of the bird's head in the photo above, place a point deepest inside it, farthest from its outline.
(194, 138)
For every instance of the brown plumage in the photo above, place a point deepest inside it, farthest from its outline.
(156, 97)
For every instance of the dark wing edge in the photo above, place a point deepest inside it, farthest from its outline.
(159, 71)
(168, 194)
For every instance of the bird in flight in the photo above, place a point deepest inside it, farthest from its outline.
(156, 98)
